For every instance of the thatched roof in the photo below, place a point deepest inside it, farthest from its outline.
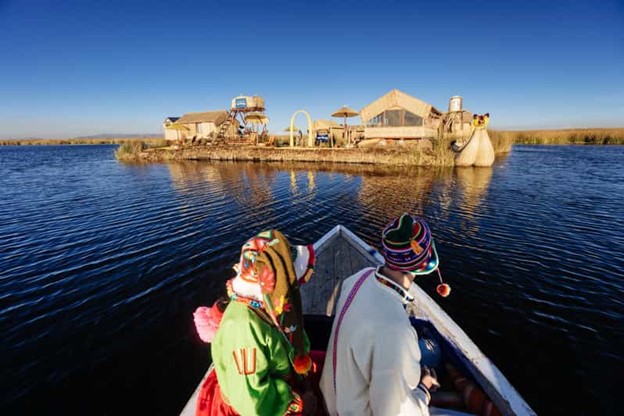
(325, 124)
(216, 117)
(396, 99)
(345, 111)
(177, 126)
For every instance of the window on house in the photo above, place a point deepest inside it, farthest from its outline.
(394, 118)
(412, 119)
(376, 121)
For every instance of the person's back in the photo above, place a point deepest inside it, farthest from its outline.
(373, 357)
(376, 343)
(250, 355)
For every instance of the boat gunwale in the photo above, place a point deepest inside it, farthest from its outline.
(482, 369)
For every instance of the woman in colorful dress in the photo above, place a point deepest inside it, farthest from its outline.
(260, 351)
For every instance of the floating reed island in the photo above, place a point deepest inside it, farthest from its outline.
(424, 152)
(396, 155)
(396, 129)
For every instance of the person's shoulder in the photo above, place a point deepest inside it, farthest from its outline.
(236, 313)
(365, 271)
(243, 322)
(349, 282)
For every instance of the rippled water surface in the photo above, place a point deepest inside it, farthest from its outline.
(103, 263)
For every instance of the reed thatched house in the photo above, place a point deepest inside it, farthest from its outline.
(398, 115)
(199, 125)
(170, 133)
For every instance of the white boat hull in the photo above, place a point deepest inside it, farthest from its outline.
(424, 309)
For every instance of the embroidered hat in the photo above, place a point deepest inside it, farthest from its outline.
(407, 245)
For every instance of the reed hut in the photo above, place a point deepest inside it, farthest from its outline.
(398, 115)
(206, 125)
(170, 134)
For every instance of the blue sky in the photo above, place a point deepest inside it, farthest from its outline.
(81, 67)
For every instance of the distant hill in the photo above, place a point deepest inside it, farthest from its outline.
(118, 136)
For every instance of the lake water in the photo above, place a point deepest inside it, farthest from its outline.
(102, 265)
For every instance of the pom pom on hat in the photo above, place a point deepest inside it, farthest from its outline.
(302, 364)
(207, 321)
(443, 290)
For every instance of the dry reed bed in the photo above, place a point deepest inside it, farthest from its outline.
(151, 141)
(390, 156)
(566, 136)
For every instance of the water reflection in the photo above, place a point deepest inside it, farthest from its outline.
(246, 184)
(311, 181)
(295, 177)
(473, 183)
(294, 188)
(385, 195)
(380, 193)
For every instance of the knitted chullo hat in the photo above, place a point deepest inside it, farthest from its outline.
(267, 273)
(407, 246)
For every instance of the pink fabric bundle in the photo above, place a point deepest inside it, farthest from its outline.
(207, 321)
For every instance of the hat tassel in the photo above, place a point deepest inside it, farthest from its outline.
(443, 289)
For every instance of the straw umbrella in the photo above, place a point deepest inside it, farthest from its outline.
(345, 112)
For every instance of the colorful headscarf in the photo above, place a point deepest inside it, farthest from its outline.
(268, 274)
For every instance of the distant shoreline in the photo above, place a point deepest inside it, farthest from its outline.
(78, 141)
(554, 136)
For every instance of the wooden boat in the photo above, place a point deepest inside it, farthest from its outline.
(471, 383)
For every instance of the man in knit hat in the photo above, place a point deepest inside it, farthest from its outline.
(260, 350)
(373, 357)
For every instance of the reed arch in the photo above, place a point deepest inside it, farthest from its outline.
(292, 126)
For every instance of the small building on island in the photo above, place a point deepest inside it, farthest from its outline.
(398, 115)
(198, 125)
(170, 133)
(328, 132)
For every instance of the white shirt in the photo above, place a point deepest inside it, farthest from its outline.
(377, 359)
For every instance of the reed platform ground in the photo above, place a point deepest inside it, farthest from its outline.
(394, 155)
